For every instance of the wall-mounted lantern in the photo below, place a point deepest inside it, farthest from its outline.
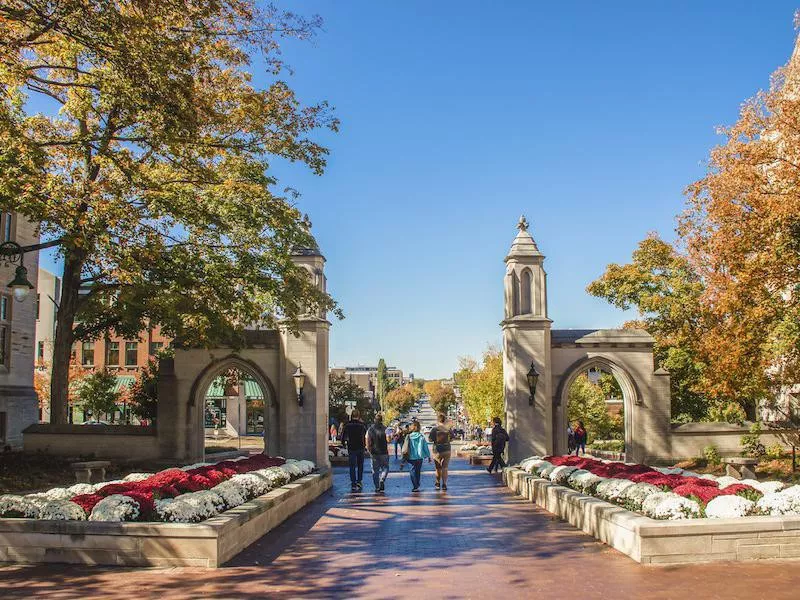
(533, 379)
(11, 253)
(299, 382)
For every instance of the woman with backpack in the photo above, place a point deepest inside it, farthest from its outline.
(580, 438)
(415, 449)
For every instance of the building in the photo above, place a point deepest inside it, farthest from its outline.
(19, 405)
(366, 377)
(48, 297)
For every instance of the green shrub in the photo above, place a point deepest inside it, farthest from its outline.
(775, 451)
(751, 442)
(730, 412)
(608, 445)
(711, 455)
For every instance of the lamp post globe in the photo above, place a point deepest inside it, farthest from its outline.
(20, 286)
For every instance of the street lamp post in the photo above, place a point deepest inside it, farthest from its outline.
(12, 253)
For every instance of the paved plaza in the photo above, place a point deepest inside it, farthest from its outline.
(476, 541)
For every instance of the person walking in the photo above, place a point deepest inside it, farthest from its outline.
(580, 438)
(398, 438)
(415, 449)
(499, 439)
(570, 439)
(353, 438)
(378, 449)
(440, 436)
(479, 433)
(333, 432)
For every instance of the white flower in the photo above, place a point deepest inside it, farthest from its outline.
(779, 503)
(727, 480)
(275, 475)
(691, 474)
(544, 473)
(61, 510)
(232, 492)
(542, 466)
(708, 476)
(136, 476)
(292, 470)
(633, 496)
(12, 506)
(560, 474)
(82, 488)
(670, 506)
(585, 481)
(610, 489)
(793, 491)
(176, 511)
(484, 451)
(765, 487)
(115, 508)
(727, 507)
(50, 495)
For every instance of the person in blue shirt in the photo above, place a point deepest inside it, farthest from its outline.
(415, 448)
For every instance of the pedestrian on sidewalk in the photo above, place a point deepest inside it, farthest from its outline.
(398, 438)
(479, 433)
(415, 450)
(378, 449)
(333, 432)
(570, 439)
(499, 439)
(440, 436)
(353, 438)
(580, 438)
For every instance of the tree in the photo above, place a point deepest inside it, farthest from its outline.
(96, 393)
(482, 391)
(399, 401)
(665, 289)
(380, 381)
(41, 383)
(443, 400)
(742, 231)
(341, 391)
(587, 403)
(144, 393)
(152, 178)
(431, 387)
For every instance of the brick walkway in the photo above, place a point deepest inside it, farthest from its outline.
(477, 541)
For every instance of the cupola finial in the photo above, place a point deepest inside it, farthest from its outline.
(522, 225)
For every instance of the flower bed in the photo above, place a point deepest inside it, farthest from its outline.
(186, 495)
(667, 493)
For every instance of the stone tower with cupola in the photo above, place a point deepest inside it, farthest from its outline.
(526, 341)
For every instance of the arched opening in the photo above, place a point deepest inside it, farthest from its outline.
(525, 292)
(514, 295)
(237, 405)
(602, 394)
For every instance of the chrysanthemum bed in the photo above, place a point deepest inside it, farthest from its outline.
(189, 494)
(667, 493)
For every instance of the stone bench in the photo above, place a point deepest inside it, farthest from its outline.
(740, 467)
(83, 470)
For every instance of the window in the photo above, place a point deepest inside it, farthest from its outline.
(87, 354)
(5, 330)
(38, 300)
(8, 226)
(3, 427)
(155, 347)
(131, 354)
(112, 354)
(525, 289)
(40, 352)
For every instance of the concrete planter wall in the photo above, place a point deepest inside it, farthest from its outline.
(105, 441)
(207, 544)
(649, 541)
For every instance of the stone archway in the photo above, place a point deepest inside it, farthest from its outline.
(631, 397)
(271, 405)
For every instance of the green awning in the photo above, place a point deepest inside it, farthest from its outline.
(251, 389)
(124, 382)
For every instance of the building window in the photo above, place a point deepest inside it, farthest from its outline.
(5, 330)
(8, 226)
(112, 354)
(131, 354)
(3, 427)
(87, 354)
(155, 347)
(40, 352)
(38, 300)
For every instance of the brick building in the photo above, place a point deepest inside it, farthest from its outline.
(19, 406)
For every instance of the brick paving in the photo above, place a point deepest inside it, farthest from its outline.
(475, 541)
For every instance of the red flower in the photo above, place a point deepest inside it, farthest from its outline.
(87, 502)
(703, 493)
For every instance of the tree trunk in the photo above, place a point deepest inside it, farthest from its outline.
(62, 345)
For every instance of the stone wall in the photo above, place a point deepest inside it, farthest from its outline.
(688, 441)
(99, 441)
(207, 544)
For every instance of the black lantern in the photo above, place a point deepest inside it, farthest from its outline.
(299, 382)
(11, 253)
(533, 379)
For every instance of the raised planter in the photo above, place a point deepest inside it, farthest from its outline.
(478, 460)
(207, 544)
(649, 541)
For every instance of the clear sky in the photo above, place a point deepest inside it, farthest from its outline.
(457, 116)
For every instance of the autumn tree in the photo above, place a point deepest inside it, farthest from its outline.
(443, 400)
(431, 387)
(664, 288)
(482, 391)
(399, 401)
(587, 403)
(343, 392)
(148, 167)
(742, 231)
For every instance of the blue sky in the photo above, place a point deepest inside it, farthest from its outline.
(457, 116)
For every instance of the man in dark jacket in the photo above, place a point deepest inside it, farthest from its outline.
(354, 438)
(378, 448)
(499, 439)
